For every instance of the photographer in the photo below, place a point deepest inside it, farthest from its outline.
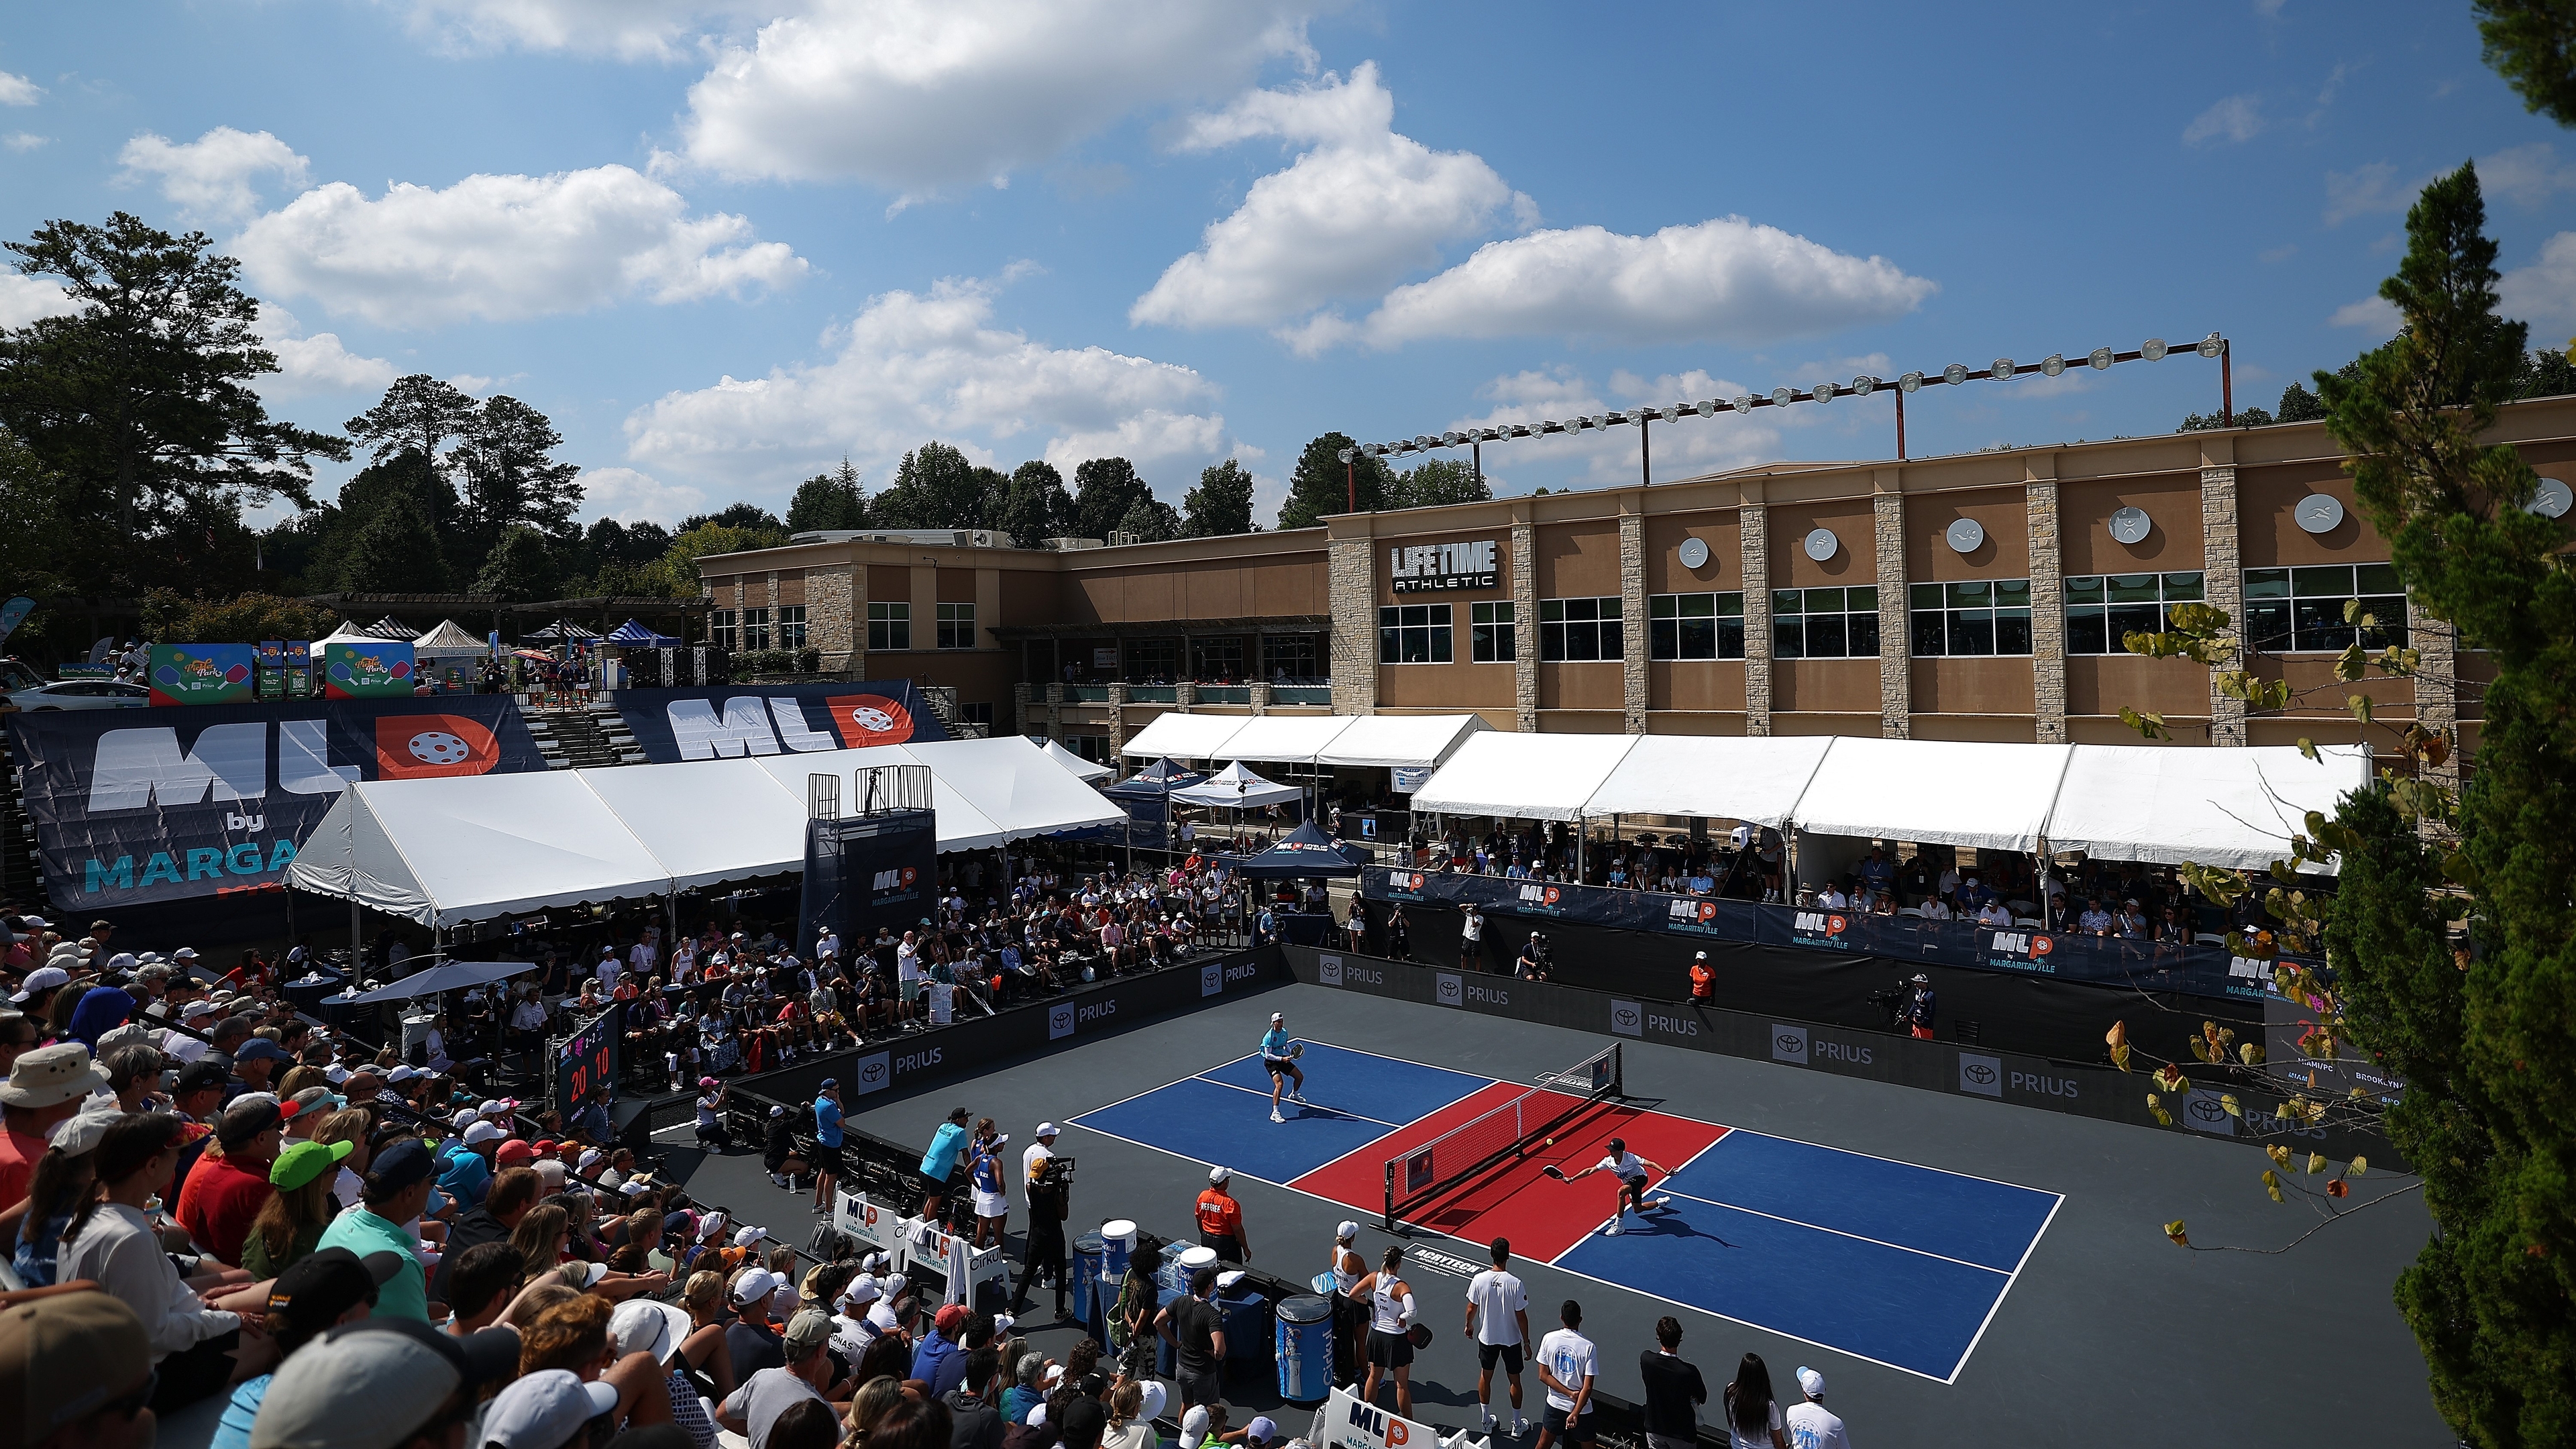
(1049, 1182)
(1920, 1007)
(1532, 965)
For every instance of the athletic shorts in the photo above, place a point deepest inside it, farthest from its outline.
(1578, 1432)
(1389, 1350)
(1635, 1185)
(1279, 1066)
(1200, 1388)
(826, 1159)
(1507, 1354)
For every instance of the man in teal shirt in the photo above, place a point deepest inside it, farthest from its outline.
(1278, 1053)
(827, 1143)
(945, 1159)
(395, 1193)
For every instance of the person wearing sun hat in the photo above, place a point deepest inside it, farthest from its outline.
(45, 1086)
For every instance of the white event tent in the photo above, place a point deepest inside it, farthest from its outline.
(1401, 741)
(1081, 769)
(1383, 741)
(470, 848)
(1286, 739)
(1178, 736)
(1236, 788)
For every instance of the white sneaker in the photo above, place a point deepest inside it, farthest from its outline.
(1488, 1425)
(1298, 1097)
(1663, 1202)
(1520, 1427)
(1612, 1230)
(1275, 1117)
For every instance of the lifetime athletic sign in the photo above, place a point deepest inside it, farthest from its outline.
(1433, 567)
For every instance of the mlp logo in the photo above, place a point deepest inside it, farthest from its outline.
(1405, 882)
(2026, 949)
(1820, 923)
(894, 880)
(425, 746)
(1685, 911)
(869, 719)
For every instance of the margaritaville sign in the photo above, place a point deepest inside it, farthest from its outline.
(1426, 568)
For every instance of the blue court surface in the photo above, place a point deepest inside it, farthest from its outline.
(1898, 1264)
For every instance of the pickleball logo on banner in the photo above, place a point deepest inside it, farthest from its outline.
(425, 746)
(202, 673)
(367, 671)
(869, 719)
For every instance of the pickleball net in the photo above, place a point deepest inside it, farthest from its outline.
(1478, 1145)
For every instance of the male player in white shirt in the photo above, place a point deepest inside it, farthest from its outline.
(1498, 1315)
(1566, 1361)
(1631, 1171)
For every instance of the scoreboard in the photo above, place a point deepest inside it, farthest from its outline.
(588, 1058)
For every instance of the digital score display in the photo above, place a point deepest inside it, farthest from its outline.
(589, 1058)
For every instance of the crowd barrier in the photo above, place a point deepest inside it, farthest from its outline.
(2197, 970)
(2103, 1093)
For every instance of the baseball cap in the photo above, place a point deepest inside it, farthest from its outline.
(65, 1357)
(1046, 1129)
(304, 1161)
(777, 1111)
(515, 1151)
(261, 1049)
(1194, 1426)
(482, 1132)
(810, 1326)
(1348, 1229)
(399, 1166)
(952, 1319)
(465, 1117)
(248, 1117)
(198, 1076)
(746, 1237)
(1084, 1418)
(369, 1384)
(589, 1156)
(1260, 1430)
(1278, 1016)
(754, 1286)
(1220, 1174)
(1922, 979)
(643, 1325)
(544, 1410)
(320, 1286)
(404, 1073)
(38, 980)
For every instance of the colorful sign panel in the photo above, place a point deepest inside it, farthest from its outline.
(372, 670)
(730, 722)
(182, 674)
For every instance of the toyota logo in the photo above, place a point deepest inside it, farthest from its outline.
(1978, 1072)
(872, 1071)
(2204, 1110)
(1626, 1016)
(1791, 1043)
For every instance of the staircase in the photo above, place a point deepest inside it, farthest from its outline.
(942, 699)
(582, 737)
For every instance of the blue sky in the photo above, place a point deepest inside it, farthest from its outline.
(724, 244)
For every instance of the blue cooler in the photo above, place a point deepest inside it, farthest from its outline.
(1086, 1275)
(1305, 1349)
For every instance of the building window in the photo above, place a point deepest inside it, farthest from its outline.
(791, 626)
(1291, 658)
(1413, 634)
(957, 626)
(889, 626)
(1218, 660)
(1578, 629)
(1153, 661)
(2102, 610)
(1094, 748)
(1986, 616)
(981, 714)
(1824, 623)
(755, 629)
(723, 630)
(2302, 609)
(1489, 634)
(1695, 626)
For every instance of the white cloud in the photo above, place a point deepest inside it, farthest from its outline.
(23, 141)
(506, 247)
(632, 497)
(919, 95)
(1726, 280)
(2543, 291)
(2237, 118)
(23, 299)
(917, 366)
(2367, 189)
(1361, 209)
(2526, 175)
(315, 364)
(212, 177)
(2375, 315)
(626, 29)
(17, 90)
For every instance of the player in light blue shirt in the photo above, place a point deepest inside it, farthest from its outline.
(1277, 1054)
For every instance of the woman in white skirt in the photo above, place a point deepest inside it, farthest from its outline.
(984, 1169)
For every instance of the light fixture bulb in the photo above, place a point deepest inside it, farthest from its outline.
(1345, 455)
(1864, 385)
(1822, 392)
(2002, 371)
(1781, 396)
(1744, 402)
(2154, 351)
(2211, 346)
(1955, 374)
(1910, 382)
(2099, 357)
(2052, 365)
(1708, 407)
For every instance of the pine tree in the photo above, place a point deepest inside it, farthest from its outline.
(1104, 490)
(511, 476)
(396, 552)
(1221, 504)
(1151, 520)
(1322, 484)
(521, 568)
(829, 501)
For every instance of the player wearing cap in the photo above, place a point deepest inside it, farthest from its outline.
(827, 1143)
(1221, 1219)
(1278, 1055)
(1631, 1171)
(1703, 980)
(1808, 1423)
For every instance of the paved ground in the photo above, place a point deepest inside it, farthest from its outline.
(2108, 1331)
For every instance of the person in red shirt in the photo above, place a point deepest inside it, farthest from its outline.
(1221, 1219)
(45, 1086)
(224, 1195)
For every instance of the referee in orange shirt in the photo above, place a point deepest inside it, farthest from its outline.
(1221, 1219)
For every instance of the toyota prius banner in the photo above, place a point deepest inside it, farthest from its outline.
(170, 804)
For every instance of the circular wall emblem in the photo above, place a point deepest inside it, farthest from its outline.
(872, 719)
(1964, 535)
(1978, 1072)
(1694, 553)
(2131, 525)
(2318, 513)
(1822, 545)
(438, 747)
(2552, 498)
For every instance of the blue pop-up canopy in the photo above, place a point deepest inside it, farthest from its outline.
(1154, 782)
(1306, 850)
(633, 635)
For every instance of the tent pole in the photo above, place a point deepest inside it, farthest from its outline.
(354, 942)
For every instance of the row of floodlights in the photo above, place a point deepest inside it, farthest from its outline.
(2002, 369)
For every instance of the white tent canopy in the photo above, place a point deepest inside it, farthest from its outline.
(1714, 777)
(1941, 792)
(469, 848)
(1401, 741)
(1526, 777)
(349, 632)
(2218, 807)
(1283, 738)
(1236, 788)
(1080, 768)
(448, 640)
(1177, 736)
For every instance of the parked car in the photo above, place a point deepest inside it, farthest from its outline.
(82, 694)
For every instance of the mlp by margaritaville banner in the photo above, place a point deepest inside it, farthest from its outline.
(133, 806)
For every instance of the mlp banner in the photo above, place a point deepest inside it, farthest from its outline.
(866, 872)
(772, 719)
(2195, 970)
(208, 801)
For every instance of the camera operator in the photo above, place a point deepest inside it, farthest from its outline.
(1049, 1181)
(1532, 965)
(1920, 1007)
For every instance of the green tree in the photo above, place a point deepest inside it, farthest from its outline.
(936, 486)
(142, 401)
(829, 500)
(1151, 520)
(1437, 481)
(1321, 483)
(2532, 44)
(397, 550)
(521, 568)
(1036, 507)
(747, 517)
(418, 413)
(2298, 405)
(511, 476)
(2212, 422)
(1221, 504)
(1104, 490)
(2545, 372)
(170, 618)
(675, 574)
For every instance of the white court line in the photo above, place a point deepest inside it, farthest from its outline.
(1265, 1096)
(1149, 1091)
(1962, 1365)
(1736, 1207)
